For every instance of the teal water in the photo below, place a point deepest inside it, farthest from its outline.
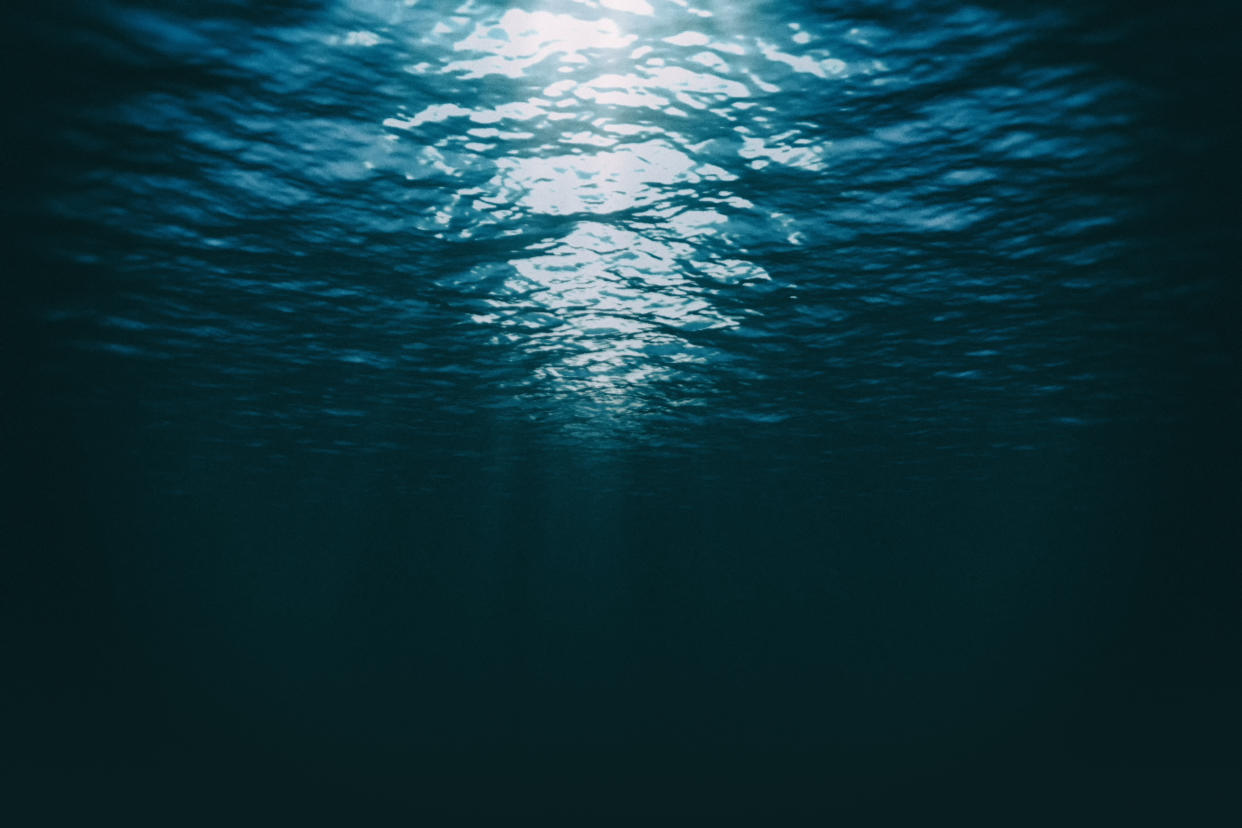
(472, 395)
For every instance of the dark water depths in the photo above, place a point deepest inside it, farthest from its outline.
(633, 389)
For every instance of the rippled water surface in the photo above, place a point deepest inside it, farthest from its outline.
(605, 375)
(618, 224)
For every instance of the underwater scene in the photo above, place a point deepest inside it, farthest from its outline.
(619, 406)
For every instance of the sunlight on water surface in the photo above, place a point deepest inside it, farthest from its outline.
(650, 124)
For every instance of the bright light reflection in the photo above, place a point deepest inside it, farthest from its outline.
(631, 6)
(523, 39)
(612, 143)
(610, 309)
(600, 183)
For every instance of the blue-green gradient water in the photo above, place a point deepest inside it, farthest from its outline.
(478, 392)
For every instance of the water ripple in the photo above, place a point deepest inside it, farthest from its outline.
(627, 219)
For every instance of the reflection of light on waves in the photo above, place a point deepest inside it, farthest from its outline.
(620, 302)
(523, 39)
(602, 183)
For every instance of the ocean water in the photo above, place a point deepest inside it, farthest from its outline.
(479, 404)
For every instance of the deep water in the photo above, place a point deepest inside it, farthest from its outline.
(484, 406)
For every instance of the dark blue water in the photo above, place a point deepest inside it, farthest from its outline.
(426, 398)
